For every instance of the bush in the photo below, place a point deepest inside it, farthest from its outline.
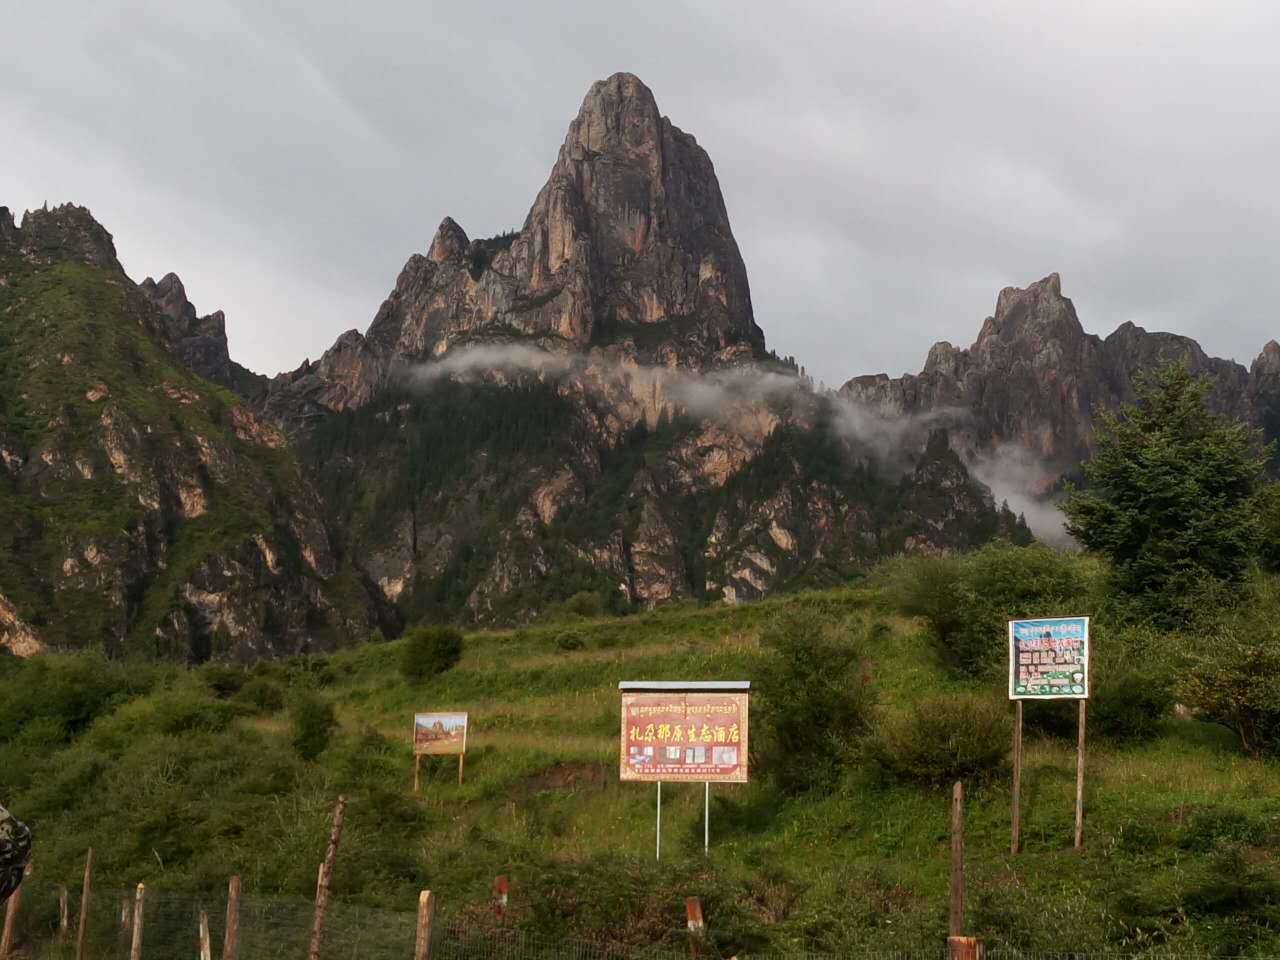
(587, 603)
(430, 651)
(814, 701)
(1232, 682)
(570, 640)
(224, 680)
(968, 600)
(313, 724)
(262, 694)
(944, 737)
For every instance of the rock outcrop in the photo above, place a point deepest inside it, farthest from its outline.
(1034, 377)
(199, 342)
(627, 245)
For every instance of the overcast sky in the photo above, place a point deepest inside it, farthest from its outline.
(887, 166)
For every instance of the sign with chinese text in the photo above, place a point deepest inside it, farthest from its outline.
(1049, 659)
(684, 736)
(439, 733)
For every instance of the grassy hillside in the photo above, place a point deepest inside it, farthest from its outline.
(179, 778)
(128, 485)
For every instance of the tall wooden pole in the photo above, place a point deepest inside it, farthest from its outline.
(955, 924)
(206, 950)
(322, 884)
(63, 923)
(84, 904)
(461, 756)
(1015, 832)
(1080, 779)
(135, 948)
(11, 917)
(426, 914)
(417, 771)
(231, 937)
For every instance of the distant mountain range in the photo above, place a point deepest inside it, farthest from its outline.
(585, 406)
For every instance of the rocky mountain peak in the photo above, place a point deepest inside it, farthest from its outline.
(450, 241)
(200, 342)
(1267, 363)
(626, 247)
(68, 232)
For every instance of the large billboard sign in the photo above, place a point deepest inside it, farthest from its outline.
(439, 733)
(684, 735)
(1049, 659)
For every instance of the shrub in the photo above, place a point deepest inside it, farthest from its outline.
(586, 603)
(262, 694)
(570, 640)
(1231, 680)
(224, 680)
(430, 651)
(944, 737)
(968, 600)
(814, 701)
(313, 724)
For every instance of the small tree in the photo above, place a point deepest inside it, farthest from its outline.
(313, 724)
(430, 651)
(1232, 681)
(815, 702)
(1170, 494)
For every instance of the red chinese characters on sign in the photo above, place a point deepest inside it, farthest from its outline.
(684, 736)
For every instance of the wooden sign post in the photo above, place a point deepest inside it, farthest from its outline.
(955, 921)
(1048, 660)
(1015, 838)
(1080, 780)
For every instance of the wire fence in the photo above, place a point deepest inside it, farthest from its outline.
(272, 928)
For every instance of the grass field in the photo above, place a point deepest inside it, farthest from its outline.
(192, 777)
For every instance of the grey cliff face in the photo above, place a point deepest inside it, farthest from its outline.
(1034, 377)
(628, 244)
(199, 342)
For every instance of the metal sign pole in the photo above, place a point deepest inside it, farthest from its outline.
(706, 821)
(658, 852)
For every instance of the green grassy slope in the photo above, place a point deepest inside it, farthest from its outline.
(181, 780)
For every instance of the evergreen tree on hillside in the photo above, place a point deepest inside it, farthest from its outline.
(1170, 494)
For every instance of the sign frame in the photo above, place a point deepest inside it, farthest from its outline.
(1086, 657)
(738, 691)
(466, 728)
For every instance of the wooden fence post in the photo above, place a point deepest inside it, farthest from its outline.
(135, 948)
(955, 925)
(326, 874)
(964, 948)
(126, 911)
(206, 951)
(696, 923)
(231, 937)
(62, 912)
(11, 917)
(426, 916)
(1080, 779)
(501, 886)
(84, 904)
